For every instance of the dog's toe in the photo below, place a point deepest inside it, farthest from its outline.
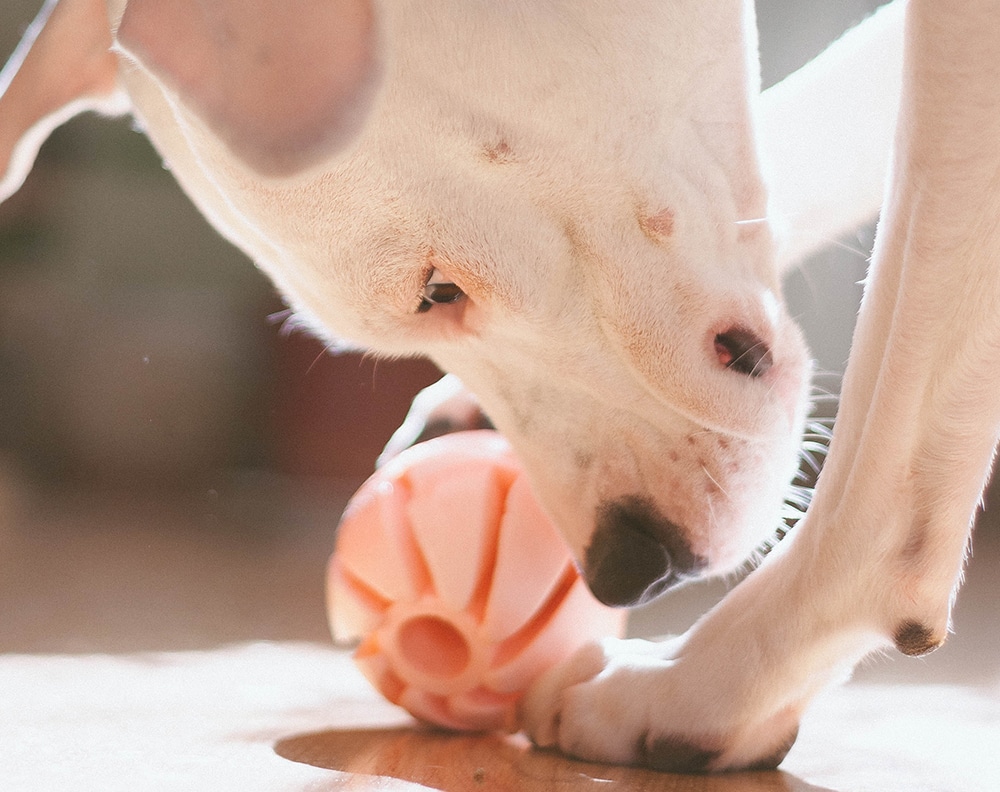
(541, 709)
(592, 707)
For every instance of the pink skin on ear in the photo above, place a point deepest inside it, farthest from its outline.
(283, 85)
(457, 585)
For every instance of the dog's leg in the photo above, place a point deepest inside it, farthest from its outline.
(62, 67)
(877, 560)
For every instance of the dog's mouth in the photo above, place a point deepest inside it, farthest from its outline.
(636, 554)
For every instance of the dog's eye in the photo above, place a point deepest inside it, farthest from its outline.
(438, 291)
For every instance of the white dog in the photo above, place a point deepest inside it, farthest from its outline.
(561, 203)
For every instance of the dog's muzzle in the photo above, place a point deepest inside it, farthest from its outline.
(636, 553)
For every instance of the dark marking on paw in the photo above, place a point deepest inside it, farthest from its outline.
(775, 758)
(915, 639)
(675, 755)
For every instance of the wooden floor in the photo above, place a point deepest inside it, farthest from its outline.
(182, 646)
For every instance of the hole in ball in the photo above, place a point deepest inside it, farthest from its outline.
(433, 646)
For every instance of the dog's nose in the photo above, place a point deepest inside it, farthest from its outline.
(635, 553)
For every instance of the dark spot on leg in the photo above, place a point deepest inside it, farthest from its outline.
(771, 761)
(675, 755)
(914, 639)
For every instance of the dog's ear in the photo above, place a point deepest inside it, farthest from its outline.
(283, 83)
(63, 66)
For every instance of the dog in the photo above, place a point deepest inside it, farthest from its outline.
(583, 212)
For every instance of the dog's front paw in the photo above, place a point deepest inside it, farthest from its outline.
(640, 703)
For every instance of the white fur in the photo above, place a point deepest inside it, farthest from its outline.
(587, 174)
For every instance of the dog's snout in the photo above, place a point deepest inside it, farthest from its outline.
(743, 351)
(635, 553)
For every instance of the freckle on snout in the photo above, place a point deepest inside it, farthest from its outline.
(498, 153)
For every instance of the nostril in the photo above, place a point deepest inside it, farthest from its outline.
(743, 351)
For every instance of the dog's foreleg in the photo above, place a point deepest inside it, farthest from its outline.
(877, 559)
(920, 413)
(879, 555)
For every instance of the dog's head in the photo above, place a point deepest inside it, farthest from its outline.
(558, 202)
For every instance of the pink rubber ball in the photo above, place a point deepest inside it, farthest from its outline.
(457, 585)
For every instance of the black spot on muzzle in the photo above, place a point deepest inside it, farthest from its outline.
(636, 553)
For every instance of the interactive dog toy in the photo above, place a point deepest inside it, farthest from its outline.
(457, 585)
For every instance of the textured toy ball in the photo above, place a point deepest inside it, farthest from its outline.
(457, 584)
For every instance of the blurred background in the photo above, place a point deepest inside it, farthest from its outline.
(173, 464)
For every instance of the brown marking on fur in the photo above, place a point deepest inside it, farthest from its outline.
(915, 639)
(499, 153)
(658, 227)
(916, 542)
(675, 755)
(583, 459)
(577, 243)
